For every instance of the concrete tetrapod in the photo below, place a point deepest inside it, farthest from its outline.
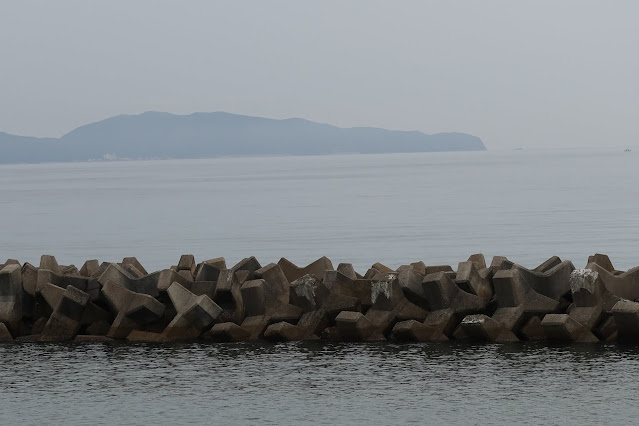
(517, 303)
(390, 305)
(592, 303)
(120, 276)
(194, 313)
(5, 335)
(64, 323)
(626, 315)
(625, 284)
(449, 304)
(209, 270)
(133, 310)
(360, 289)
(551, 278)
(263, 307)
(473, 279)
(95, 319)
(293, 272)
(46, 276)
(11, 297)
(228, 295)
(322, 306)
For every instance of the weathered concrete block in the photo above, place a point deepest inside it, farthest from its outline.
(548, 264)
(499, 328)
(588, 290)
(419, 267)
(484, 328)
(533, 330)
(194, 313)
(284, 332)
(11, 297)
(227, 332)
(341, 284)
(500, 262)
(411, 283)
(249, 264)
(255, 326)
(5, 335)
(146, 337)
(46, 276)
(64, 323)
(469, 279)
(228, 295)
(382, 268)
(209, 270)
(354, 326)
(89, 268)
(512, 289)
(478, 259)
(372, 273)
(624, 285)
(626, 315)
(308, 292)
(98, 328)
(390, 305)
(553, 282)
(314, 322)
(442, 293)
(433, 269)
(277, 286)
(562, 327)
(317, 268)
(187, 263)
(188, 275)
(601, 260)
(415, 331)
(133, 309)
(50, 263)
(444, 322)
(345, 269)
(163, 280)
(259, 301)
(29, 278)
(606, 330)
(254, 297)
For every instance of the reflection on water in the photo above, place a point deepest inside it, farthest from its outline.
(318, 382)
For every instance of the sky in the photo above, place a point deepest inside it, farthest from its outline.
(517, 74)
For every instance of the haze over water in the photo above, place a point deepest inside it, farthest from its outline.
(397, 208)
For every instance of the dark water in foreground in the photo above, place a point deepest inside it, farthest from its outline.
(318, 383)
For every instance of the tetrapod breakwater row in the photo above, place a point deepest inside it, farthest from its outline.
(210, 301)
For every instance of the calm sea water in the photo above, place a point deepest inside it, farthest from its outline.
(439, 208)
(435, 207)
(318, 384)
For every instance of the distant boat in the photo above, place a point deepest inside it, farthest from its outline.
(627, 150)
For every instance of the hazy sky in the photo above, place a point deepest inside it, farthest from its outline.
(537, 73)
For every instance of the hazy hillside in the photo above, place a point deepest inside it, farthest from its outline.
(201, 135)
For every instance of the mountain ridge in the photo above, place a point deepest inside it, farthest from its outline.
(157, 134)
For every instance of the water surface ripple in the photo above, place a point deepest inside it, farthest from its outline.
(318, 383)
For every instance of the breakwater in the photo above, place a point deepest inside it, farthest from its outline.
(497, 302)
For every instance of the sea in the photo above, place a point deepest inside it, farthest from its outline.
(396, 209)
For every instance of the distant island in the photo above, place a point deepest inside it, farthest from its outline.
(161, 135)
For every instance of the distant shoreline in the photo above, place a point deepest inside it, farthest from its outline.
(161, 135)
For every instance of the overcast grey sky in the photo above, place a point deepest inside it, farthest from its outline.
(537, 73)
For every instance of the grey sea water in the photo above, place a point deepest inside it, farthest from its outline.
(315, 383)
(435, 207)
(439, 208)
